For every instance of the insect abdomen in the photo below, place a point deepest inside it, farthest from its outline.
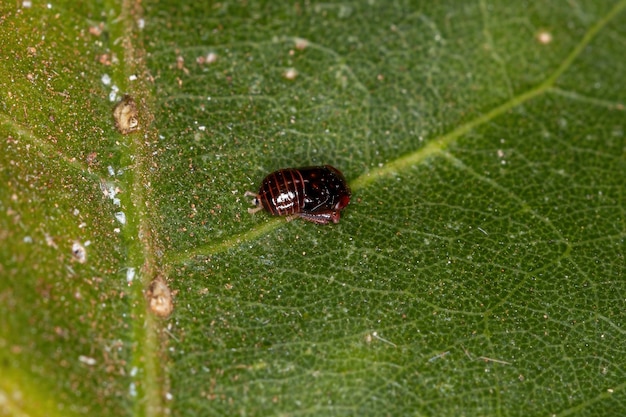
(282, 192)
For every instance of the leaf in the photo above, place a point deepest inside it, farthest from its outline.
(479, 269)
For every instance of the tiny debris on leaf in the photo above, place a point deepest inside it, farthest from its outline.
(79, 252)
(125, 115)
(160, 298)
(87, 360)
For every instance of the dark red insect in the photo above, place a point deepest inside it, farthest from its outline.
(317, 194)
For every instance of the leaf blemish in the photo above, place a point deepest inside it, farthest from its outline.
(210, 58)
(290, 74)
(87, 360)
(544, 37)
(110, 191)
(120, 216)
(130, 275)
(160, 298)
(79, 252)
(125, 115)
(301, 44)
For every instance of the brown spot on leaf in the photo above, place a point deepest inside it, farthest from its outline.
(125, 115)
(160, 298)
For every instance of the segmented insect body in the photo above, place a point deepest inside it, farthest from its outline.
(317, 194)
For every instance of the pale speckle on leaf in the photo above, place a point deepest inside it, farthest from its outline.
(87, 360)
(130, 275)
(301, 44)
(79, 252)
(121, 217)
(544, 37)
(210, 58)
(290, 74)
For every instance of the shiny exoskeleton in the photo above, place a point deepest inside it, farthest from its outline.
(317, 194)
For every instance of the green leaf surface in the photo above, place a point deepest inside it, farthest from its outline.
(479, 269)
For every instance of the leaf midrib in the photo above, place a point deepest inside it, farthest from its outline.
(146, 364)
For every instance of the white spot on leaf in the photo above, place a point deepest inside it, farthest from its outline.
(79, 252)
